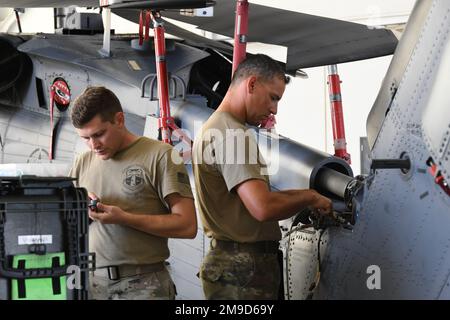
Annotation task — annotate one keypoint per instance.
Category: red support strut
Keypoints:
(166, 123)
(337, 116)
(240, 46)
(240, 33)
(141, 27)
(165, 120)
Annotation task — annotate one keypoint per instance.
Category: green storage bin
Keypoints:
(41, 288)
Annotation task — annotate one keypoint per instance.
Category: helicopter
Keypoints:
(377, 246)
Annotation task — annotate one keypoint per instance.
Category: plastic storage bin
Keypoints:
(44, 228)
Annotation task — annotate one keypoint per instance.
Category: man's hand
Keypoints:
(93, 200)
(107, 214)
(322, 205)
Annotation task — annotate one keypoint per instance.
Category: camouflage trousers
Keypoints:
(148, 286)
(239, 275)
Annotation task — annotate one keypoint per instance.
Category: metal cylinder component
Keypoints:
(296, 166)
(391, 164)
(329, 180)
(299, 165)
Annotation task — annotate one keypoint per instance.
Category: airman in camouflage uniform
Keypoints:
(237, 207)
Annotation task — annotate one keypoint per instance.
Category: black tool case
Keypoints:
(44, 248)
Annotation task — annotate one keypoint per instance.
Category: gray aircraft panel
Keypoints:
(188, 37)
(403, 221)
(83, 51)
(436, 117)
(78, 78)
(396, 69)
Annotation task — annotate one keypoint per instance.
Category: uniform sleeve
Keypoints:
(172, 175)
(238, 159)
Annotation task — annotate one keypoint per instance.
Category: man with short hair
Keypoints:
(237, 207)
(144, 198)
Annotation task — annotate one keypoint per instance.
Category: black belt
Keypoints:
(121, 271)
(252, 247)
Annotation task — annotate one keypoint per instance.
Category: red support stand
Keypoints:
(240, 33)
(337, 116)
(240, 46)
(165, 119)
(166, 123)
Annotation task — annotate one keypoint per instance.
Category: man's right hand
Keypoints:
(321, 204)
